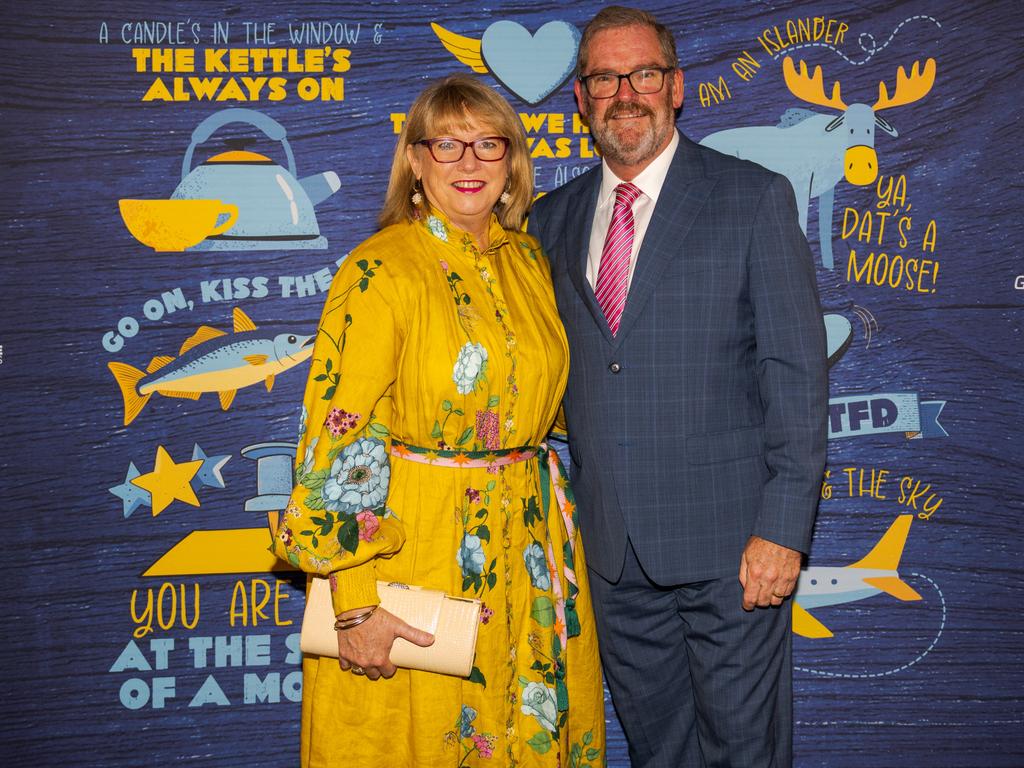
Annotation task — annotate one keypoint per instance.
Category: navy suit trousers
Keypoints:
(696, 680)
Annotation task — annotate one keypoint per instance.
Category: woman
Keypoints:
(437, 373)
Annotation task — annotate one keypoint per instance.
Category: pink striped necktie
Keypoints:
(613, 272)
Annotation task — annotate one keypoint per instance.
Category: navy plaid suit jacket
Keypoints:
(704, 420)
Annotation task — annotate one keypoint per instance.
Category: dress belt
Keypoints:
(468, 459)
(565, 604)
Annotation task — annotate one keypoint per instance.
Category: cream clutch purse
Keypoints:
(453, 621)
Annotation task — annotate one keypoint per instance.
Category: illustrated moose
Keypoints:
(810, 150)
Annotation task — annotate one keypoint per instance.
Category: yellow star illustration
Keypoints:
(169, 481)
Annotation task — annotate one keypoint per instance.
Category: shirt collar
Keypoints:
(650, 180)
(442, 228)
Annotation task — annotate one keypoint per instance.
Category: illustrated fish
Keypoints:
(212, 360)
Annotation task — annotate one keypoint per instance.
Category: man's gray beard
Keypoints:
(649, 145)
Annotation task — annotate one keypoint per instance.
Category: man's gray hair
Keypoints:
(617, 16)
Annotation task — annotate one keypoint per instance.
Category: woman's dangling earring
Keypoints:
(505, 197)
(417, 196)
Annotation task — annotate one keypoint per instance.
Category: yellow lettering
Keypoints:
(277, 91)
(205, 87)
(853, 274)
(531, 122)
(158, 92)
(214, 60)
(144, 621)
(254, 85)
(541, 148)
(341, 62)
(850, 228)
(257, 608)
(238, 60)
(195, 614)
(930, 236)
(280, 597)
(332, 89)
(308, 88)
(239, 605)
(166, 622)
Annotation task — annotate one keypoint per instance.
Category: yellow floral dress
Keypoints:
(437, 373)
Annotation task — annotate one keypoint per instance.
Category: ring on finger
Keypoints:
(358, 671)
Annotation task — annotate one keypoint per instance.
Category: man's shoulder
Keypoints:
(559, 199)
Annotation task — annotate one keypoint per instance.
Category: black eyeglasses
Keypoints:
(604, 85)
(448, 150)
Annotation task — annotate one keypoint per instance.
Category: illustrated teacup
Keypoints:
(174, 225)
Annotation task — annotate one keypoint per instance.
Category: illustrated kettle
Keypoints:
(275, 208)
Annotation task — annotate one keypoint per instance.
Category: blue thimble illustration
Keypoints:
(273, 475)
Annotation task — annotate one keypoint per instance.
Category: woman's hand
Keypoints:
(367, 647)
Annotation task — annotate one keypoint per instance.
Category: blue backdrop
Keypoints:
(142, 625)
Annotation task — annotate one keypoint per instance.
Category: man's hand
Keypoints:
(768, 573)
(366, 648)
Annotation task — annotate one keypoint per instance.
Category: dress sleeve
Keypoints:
(337, 520)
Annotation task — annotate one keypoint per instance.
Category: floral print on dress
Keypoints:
(466, 312)
(471, 557)
(487, 430)
(437, 228)
(470, 368)
(500, 315)
(539, 702)
(359, 477)
(376, 375)
(471, 741)
(477, 573)
(484, 744)
(583, 754)
(368, 523)
(308, 460)
(339, 421)
(537, 566)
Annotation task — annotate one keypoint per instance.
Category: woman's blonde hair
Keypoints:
(451, 103)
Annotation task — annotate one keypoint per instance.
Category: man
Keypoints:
(696, 409)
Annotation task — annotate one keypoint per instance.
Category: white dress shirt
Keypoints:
(650, 182)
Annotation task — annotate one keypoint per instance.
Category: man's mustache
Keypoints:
(620, 108)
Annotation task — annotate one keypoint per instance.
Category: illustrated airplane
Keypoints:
(876, 572)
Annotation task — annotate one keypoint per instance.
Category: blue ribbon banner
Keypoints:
(867, 414)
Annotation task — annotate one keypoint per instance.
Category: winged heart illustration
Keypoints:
(532, 66)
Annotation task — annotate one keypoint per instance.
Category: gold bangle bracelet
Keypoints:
(353, 621)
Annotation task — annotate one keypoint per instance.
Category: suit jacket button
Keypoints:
(614, 367)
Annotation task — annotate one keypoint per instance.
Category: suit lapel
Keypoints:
(577, 239)
(684, 193)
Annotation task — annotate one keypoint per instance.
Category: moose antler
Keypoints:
(908, 89)
(810, 89)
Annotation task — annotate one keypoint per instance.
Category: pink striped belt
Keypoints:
(554, 480)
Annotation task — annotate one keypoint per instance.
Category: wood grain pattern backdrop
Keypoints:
(77, 137)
